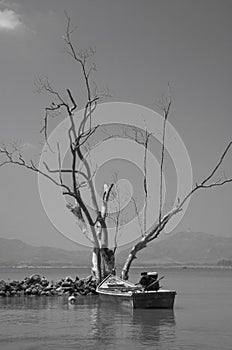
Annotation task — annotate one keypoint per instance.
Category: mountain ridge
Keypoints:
(16, 252)
(191, 248)
(179, 248)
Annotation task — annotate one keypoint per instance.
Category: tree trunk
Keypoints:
(104, 259)
(107, 262)
(126, 267)
(153, 234)
(96, 264)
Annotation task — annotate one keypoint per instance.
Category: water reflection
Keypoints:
(123, 325)
(87, 323)
(31, 302)
(46, 302)
(153, 326)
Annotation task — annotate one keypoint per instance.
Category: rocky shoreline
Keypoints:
(36, 285)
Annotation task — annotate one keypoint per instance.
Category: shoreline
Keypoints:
(145, 266)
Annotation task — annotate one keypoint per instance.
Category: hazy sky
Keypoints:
(141, 47)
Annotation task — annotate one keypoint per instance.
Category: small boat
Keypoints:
(114, 289)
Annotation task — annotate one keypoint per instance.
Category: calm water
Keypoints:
(201, 319)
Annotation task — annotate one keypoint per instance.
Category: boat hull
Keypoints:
(154, 300)
(162, 299)
(115, 290)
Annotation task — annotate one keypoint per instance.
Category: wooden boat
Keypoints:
(114, 289)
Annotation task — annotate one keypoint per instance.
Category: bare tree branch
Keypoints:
(147, 135)
(75, 209)
(78, 55)
(217, 165)
(137, 214)
(166, 108)
(17, 159)
(78, 172)
(158, 228)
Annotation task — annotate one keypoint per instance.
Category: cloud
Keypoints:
(9, 20)
(9, 5)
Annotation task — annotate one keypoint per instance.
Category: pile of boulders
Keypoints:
(39, 286)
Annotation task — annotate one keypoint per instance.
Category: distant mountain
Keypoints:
(180, 248)
(16, 252)
(185, 248)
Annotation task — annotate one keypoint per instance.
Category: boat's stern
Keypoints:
(161, 299)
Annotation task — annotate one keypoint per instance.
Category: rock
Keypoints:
(26, 280)
(79, 283)
(53, 292)
(48, 288)
(44, 282)
(28, 291)
(8, 287)
(68, 279)
(88, 279)
(24, 286)
(87, 290)
(14, 283)
(66, 284)
(93, 291)
(35, 285)
(34, 291)
(19, 292)
(59, 283)
(35, 279)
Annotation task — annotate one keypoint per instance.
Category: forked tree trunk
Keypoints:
(96, 264)
(147, 238)
(103, 263)
(103, 258)
(107, 262)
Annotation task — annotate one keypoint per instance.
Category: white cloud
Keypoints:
(9, 20)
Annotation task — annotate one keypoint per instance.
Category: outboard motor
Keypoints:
(149, 281)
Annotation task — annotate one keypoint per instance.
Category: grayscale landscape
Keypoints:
(116, 174)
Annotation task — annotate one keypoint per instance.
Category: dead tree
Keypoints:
(93, 224)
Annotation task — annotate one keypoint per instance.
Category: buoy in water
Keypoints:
(72, 299)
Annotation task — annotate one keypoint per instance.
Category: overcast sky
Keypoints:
(141, 47)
